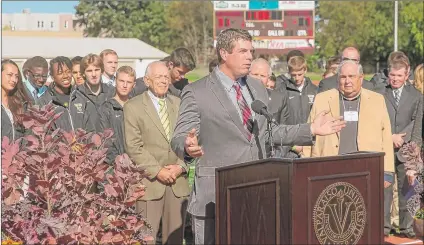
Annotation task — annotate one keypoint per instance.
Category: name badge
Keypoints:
(351, 116)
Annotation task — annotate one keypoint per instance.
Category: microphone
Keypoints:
(260, 108)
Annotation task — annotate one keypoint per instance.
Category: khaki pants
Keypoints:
(171, 210)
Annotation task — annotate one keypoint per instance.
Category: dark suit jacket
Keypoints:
(278, 106)
(206, 107)
(174, 89)
(331, 82)
(279, 109)
(402, 117)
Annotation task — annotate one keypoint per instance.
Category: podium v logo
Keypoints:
(340, 214)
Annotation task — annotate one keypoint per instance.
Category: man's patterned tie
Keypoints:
(397, 96)
(245, 110)
(163, 115)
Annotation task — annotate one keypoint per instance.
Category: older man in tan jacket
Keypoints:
(149, 121)
(367, 123)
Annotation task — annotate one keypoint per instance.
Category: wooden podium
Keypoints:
(328, 200)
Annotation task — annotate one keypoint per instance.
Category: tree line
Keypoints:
(167, 25)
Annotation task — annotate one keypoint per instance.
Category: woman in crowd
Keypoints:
(418, 133)
(14, 100)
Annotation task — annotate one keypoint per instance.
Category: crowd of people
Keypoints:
(165, 124)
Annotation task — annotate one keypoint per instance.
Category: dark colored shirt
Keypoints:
(349, 134)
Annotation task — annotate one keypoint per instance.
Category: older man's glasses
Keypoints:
(345, 58)
(38, 76)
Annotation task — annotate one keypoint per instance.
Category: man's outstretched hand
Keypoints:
(191, 145)
(325, 124)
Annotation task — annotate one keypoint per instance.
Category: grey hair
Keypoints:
(227, 38)
(151, 64)
(261, 60)
(339, 68)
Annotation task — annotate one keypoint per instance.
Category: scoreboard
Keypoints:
(276, 26)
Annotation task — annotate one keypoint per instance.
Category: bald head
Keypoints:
(154, 65)
(157, 78)
(261, 70)
(351, 53)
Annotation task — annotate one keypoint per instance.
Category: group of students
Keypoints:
(90, 91)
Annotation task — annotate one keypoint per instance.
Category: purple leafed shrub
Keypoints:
(49, 187)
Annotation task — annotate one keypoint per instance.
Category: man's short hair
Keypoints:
(213, 64)
(166, 59)
(36, 61)
(127, 70)
(76, 60)
(262, 60)
(397, 56)
(360, 69)
(273, 77)
(61, 61)
(107, 52)
(294, 53)
(91, 59)
(399, 64)
(227, 40)
(182, 57)
(335, 60)
(297, 63)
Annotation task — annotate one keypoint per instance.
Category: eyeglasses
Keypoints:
(38, 76)
(345, 58)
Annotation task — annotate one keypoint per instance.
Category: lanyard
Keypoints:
(357, 107)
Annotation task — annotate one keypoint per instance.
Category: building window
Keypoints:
(38, 24)
(51, 24)
(66, 24)
(42, 24)
(301, 21)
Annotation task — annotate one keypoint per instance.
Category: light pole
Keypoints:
(396, 26)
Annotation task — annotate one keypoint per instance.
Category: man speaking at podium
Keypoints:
(217, 125)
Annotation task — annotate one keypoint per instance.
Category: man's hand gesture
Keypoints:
(191, 145)
(325, 124)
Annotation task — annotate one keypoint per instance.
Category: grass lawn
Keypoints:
(200, 72)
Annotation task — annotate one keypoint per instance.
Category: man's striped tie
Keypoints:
(163, 115)
(245, 110)
(397, 96)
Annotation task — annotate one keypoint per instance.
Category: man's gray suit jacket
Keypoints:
(206, 106)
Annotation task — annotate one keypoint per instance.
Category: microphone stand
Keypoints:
(270, 138)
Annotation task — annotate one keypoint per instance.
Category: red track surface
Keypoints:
(397, 240)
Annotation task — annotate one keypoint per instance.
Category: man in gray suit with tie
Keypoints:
(217, 125)
(402, 101)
